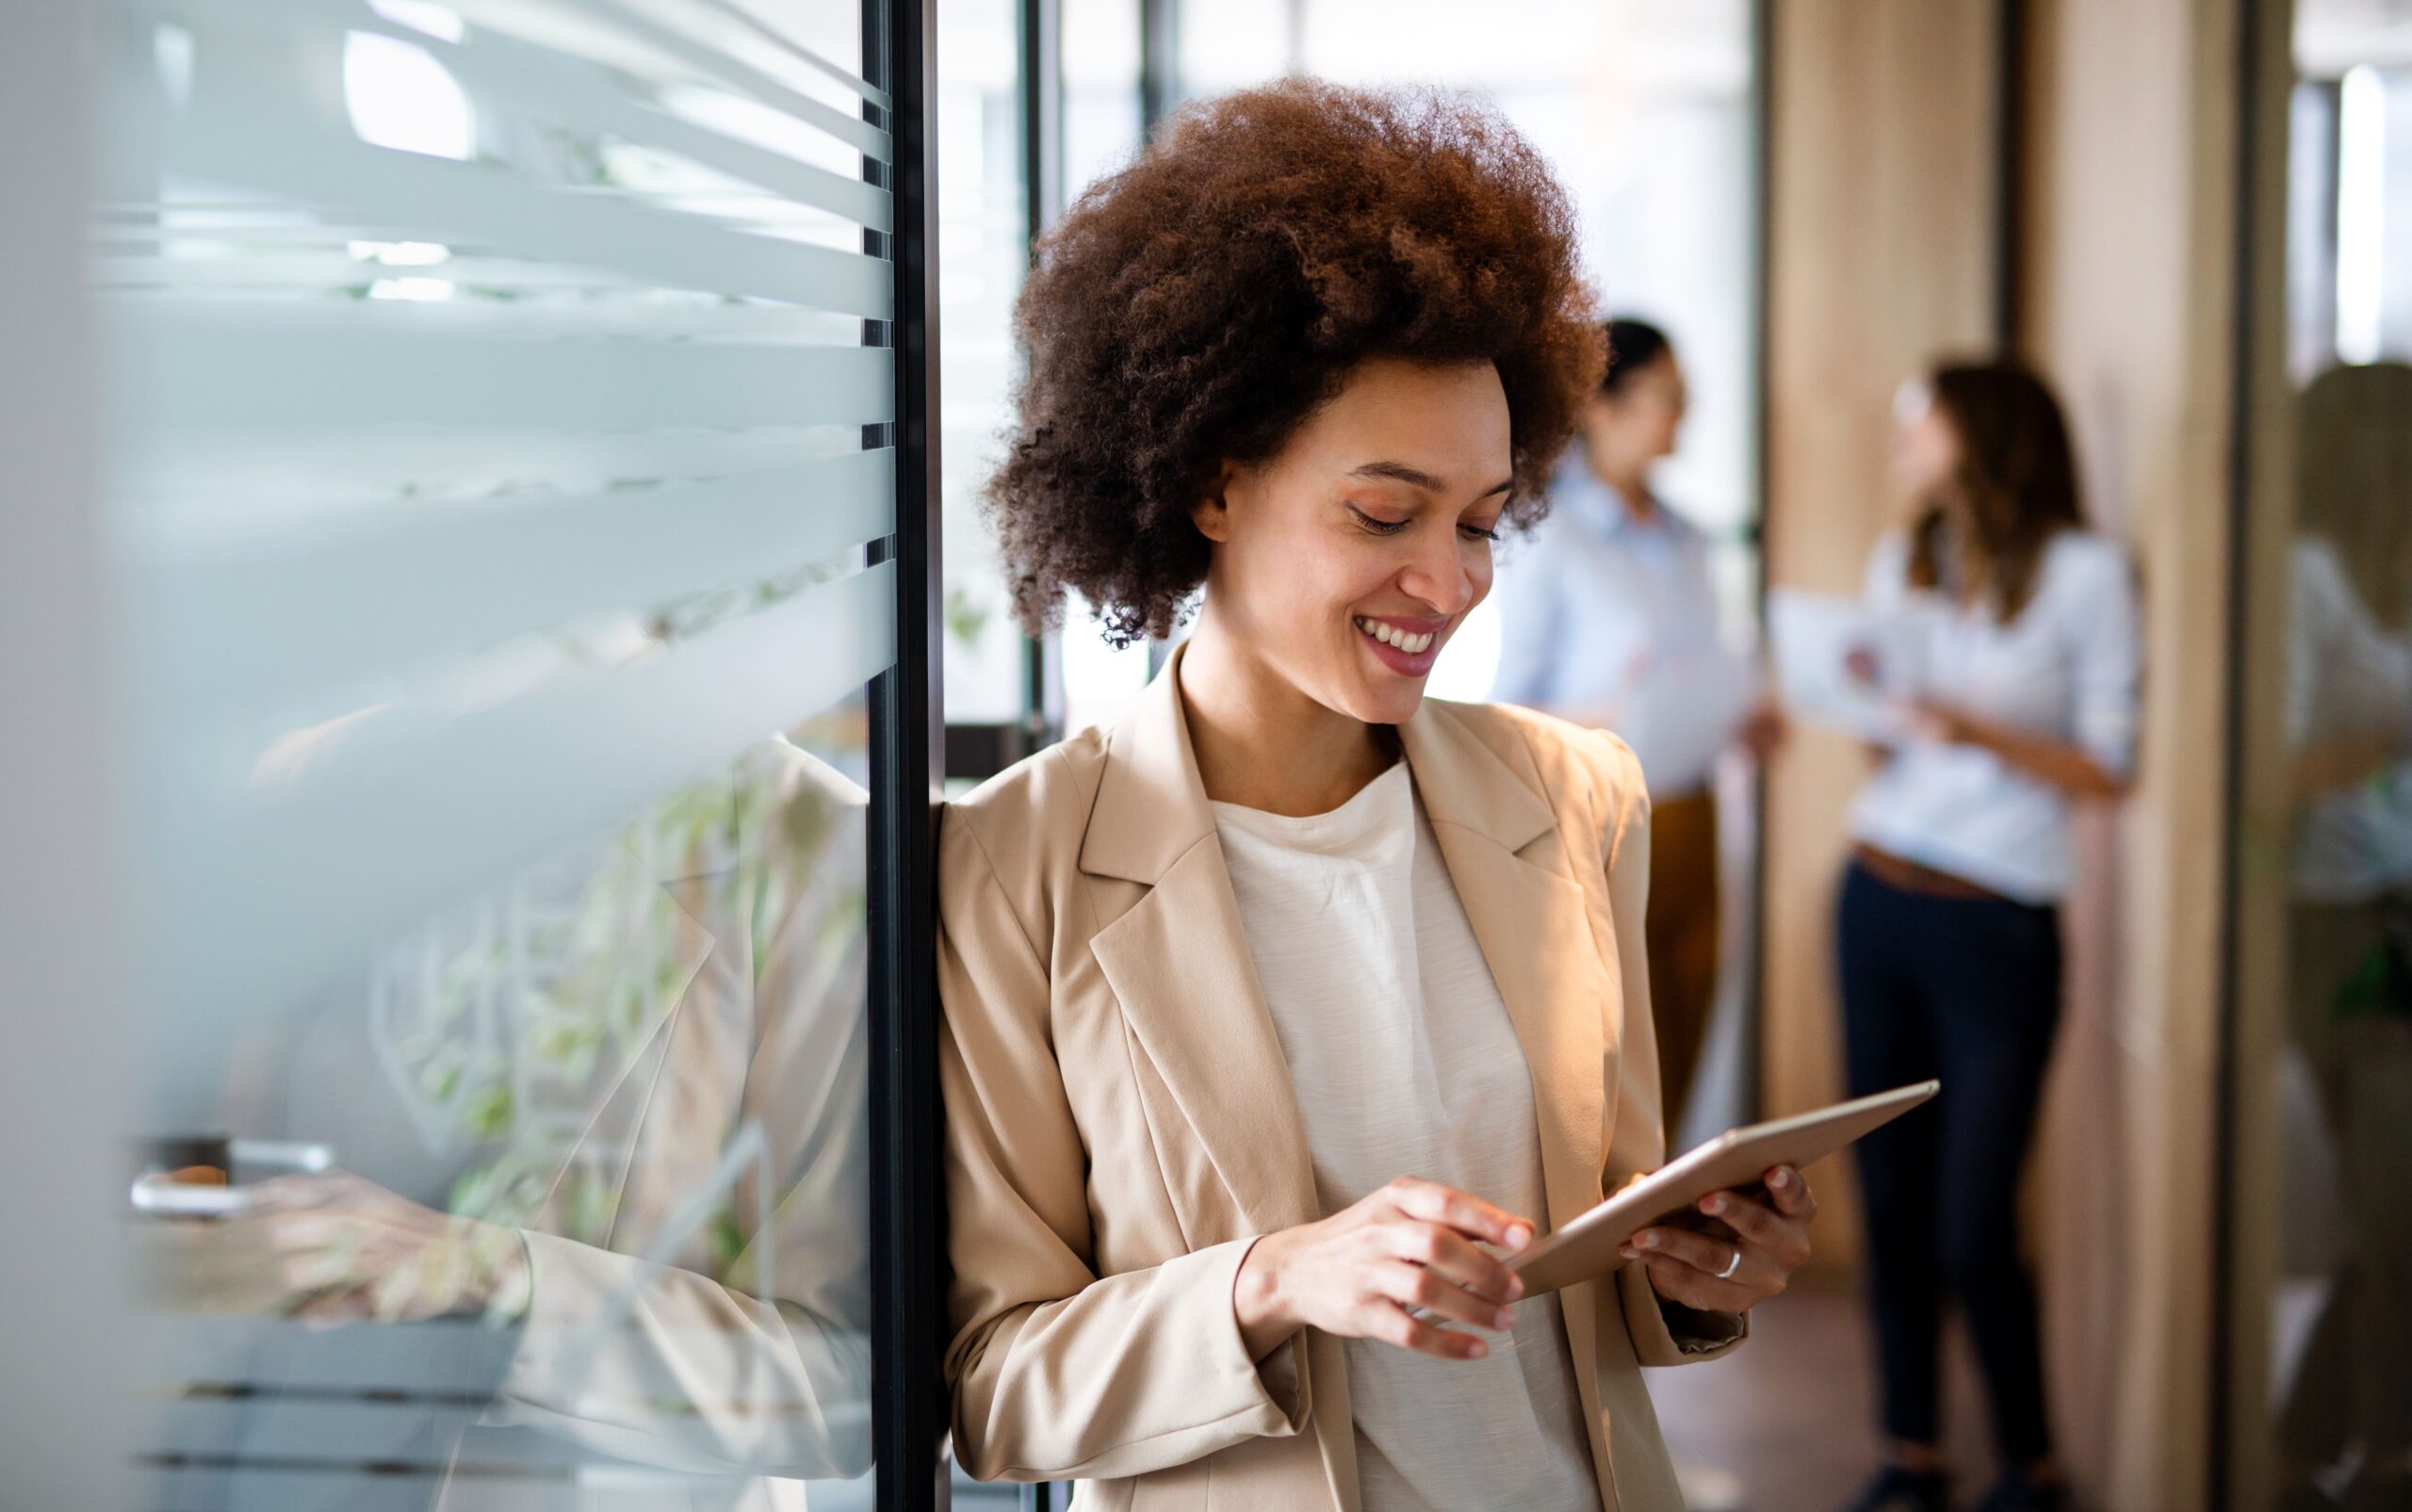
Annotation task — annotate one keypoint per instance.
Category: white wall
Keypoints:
(58, 965)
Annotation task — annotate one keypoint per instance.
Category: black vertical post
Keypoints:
(1159, 91)
(1763, 284)
(908, 753)
(2010, 172)
(1159, 63)
(2253, 121)
(1043, 196)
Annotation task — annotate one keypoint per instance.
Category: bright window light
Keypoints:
(2361, 214)
(398, 96)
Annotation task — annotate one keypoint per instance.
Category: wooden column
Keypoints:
(2129, 306)
(1881, 230)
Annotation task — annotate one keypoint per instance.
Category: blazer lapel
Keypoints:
(1178, 960)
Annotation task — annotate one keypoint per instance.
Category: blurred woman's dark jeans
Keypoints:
(1967, 990)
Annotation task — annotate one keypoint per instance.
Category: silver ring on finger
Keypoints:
(1731, 1265)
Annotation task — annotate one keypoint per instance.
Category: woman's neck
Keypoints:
(1632, 484)
(1261, 742)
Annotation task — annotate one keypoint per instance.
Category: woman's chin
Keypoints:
(1387, 699)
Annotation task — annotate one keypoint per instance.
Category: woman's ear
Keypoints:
(1212, 513)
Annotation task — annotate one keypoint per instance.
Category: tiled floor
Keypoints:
(1786, 1424)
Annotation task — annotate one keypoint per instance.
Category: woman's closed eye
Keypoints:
(1381, 527)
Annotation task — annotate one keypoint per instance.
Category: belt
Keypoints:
(1909, 876)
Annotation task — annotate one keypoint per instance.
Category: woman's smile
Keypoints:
(1406, 644)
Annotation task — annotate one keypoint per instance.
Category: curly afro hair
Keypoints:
(1196, 307)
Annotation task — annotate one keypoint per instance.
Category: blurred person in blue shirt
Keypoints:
(1608, 618)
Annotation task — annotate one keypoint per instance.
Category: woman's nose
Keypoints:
(1439, 576)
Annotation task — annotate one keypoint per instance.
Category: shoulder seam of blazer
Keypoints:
(988, 869)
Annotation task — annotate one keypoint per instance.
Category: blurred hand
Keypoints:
(337, 1248)
(1761, 731)
(1699, 1267)
(1412, 1245)
(1941, 722)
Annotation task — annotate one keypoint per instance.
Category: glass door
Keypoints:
(516, 429)
(2315, 1409)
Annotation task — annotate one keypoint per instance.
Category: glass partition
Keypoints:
(2318, 1398)
(502, 490)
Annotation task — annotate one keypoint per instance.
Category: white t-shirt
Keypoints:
(1406, 1064)
(2066, 667)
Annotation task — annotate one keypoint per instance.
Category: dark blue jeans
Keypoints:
(1967, 990)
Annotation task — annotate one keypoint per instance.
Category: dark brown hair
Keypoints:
(2016, 487)
(1633, 345)
(1194, 308)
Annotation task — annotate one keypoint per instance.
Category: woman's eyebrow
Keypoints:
(1417, 478)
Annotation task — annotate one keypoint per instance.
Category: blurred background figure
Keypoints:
(2346, 1404)
(1609, 618)
(1949, 941)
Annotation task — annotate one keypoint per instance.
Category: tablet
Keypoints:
(1736, 1159)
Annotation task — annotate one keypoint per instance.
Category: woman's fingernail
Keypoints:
(1519, 1235)
(1629, 1252)
(1646, 1240)
(1779, 1179)
(1515, 1287)
(1717, 1203)
(1502, 1319)
(1478, 1350)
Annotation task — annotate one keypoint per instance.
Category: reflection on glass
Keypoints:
(611, 1172)
(488, 421)
(2322, 1238)
(2343, 1308)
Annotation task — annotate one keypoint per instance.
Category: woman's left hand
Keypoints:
(1746, 1255)
(343, 1249)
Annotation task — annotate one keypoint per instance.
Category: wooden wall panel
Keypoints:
(1882, 229)
(2128, 294)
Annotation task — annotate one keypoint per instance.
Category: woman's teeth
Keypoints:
(1392, 636)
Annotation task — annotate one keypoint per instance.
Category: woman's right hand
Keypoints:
(1411, 1244)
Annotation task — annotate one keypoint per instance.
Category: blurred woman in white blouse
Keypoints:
(1949, 941)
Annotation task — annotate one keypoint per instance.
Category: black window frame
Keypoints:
(909, 1277)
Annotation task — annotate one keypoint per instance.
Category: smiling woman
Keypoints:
(1191, 311)
(1279, 1013)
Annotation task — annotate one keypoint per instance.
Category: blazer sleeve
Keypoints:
(766, 1364)
(1664, 1333)
(1059, 1372)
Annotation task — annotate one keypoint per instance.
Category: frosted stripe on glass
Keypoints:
(194, 363)
(582, 97)
(265, 893)
(434, 200)
(771, 34)
(717, 65)
(401, 586)
(634, 43)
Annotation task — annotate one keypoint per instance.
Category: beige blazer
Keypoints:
(1121, 1124)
